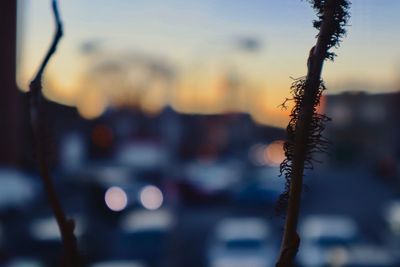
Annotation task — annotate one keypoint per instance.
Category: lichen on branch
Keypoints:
(316, 141)
(304, 131)
(340, 18)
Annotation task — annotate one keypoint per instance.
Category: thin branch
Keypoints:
(40, 135)
(36, 83)
(304, 132)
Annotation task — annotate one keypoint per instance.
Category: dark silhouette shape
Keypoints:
(306, 125)
(40, 137)
(11, 100)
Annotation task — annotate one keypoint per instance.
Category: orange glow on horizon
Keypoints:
(91, 104)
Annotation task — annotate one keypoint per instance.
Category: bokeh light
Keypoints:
(102, 136)
(151, 197)
(116, 199)
(91, 104)
(274, 153)
(256, 154)
(267, 155)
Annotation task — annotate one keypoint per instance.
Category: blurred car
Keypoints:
(365, 255)
(118, 188)
(208, 180)
(144, 235)
(45, 237)
(241, 242)
(24, 262)
(326, 240)
(391, 217)
(117, 263)
(17, 190)
(142, 155)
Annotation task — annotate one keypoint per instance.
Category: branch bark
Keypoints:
(37, 106)
(303, 129)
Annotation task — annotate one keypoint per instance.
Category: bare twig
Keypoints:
(39, 128)
(306, 125)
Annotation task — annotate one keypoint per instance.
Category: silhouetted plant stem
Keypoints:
(40, 136)
(306, 125)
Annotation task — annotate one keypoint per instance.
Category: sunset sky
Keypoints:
(203, 56)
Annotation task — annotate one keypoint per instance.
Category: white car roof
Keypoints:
(47, 228)
(392, 216)
(118, 264)
(242, 228)
(142, 154)
(366, 255)
(144, 220)
(108, 174)
(211, 172)
(22, 262)
(328, 225)
(16, 189)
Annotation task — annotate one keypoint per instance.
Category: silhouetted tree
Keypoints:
(306, 125)
(40, 136)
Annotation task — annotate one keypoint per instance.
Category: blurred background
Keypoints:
(167, 134)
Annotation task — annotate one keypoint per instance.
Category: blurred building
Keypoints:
(365, 128)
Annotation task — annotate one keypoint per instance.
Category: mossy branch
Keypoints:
(40, 136)
(304, 131)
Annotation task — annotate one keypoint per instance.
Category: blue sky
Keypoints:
(202, 39)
